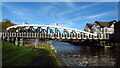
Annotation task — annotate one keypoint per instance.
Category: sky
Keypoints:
(66, 14)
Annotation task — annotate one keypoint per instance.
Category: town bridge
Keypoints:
(18, 33)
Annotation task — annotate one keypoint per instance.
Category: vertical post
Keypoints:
(21, 41)
(12, 40)
(36, 42)
(8, 39)
(76, 35)
(3, 38)
(82, 35)
(108, 36)
(16, 41)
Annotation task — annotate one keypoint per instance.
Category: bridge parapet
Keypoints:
(55, 35)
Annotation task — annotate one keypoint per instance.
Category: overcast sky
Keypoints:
(67, 14)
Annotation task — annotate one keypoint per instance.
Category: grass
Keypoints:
(17, 55)
(13, 55)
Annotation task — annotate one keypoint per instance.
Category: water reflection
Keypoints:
(86, 55)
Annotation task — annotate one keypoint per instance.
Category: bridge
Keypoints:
(18, 33)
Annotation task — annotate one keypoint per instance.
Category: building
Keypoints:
(101, 27)
(88, 27)
(117, 31)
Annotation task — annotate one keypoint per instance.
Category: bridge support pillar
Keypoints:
(16, 41)
(3, 38)
(21, 41)
(12, 40)
(36, 41)
(8, 39)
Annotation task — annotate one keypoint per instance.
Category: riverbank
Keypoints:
(41, 55)
(94, 43)
(116, 45)
(47, 57)
(86, 56)
(84, 43)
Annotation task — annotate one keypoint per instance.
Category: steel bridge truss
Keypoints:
(47, 31)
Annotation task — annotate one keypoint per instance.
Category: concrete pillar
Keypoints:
(12, 40)
(3, 38)
(108, 36)
(80, 35)
(8, 39)
(21, 41)
(16, 41)
(36, 42)
(35, 35)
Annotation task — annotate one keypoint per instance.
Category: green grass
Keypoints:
(13, 55)
(17, 55)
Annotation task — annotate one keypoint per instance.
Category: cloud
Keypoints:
(77, 9)
(99, 15)
(19, 14)
(67, 24)
(12, 9)
(109, 13)
(67, 14)
(46, 9)
(70, 22)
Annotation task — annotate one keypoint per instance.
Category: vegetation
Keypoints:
(5, 23)
(50, 54)
(25, 56)
(17, 55)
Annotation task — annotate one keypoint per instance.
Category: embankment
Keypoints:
(42, 55)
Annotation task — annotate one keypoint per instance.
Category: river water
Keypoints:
(73, 55)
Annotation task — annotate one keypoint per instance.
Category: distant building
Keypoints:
(117, 31)
(101, 27)
(88, 27)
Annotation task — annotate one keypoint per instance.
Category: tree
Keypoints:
(5, 24)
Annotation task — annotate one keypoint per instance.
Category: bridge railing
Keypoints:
(105, 36)
(57, 35)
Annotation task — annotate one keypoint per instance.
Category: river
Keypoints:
(73, 55)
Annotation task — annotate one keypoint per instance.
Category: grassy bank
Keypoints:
(23, 56)
(17, 55)
(49, 54)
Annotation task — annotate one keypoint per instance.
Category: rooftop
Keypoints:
(89, 25)
(105, 24)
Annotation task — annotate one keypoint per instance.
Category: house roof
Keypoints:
(89, 25)
(105, 24)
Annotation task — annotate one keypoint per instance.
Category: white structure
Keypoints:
(101, 27)
(52, 27)
(88, 27)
